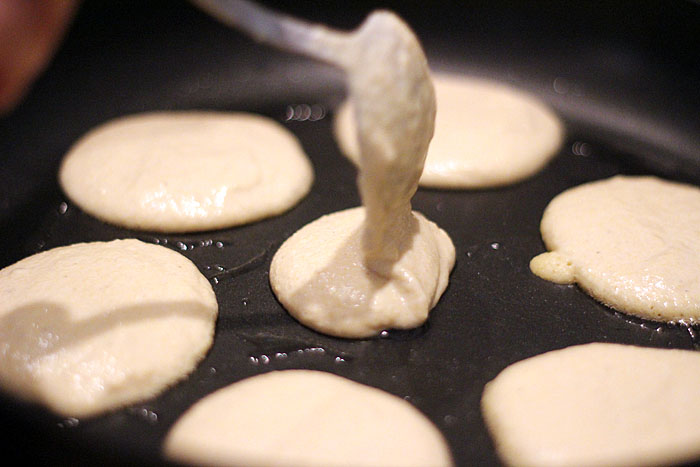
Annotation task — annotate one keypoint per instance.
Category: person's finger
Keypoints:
(30, 31)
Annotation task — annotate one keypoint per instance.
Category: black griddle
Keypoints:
(623, 75)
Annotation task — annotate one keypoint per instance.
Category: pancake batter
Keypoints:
(92, 327)
(186, 171)
(630, 242)
(309, 418)
(597, 405)
(357, 272)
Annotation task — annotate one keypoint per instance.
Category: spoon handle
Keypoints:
(279, 30)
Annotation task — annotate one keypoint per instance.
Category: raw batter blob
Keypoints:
(94, 326)
(631, 242)
(357, 272)
(186, 171)
(320, 276)
(486, 134)
(305, 418)
(597, 405)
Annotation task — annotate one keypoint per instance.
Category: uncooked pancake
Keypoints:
(186, 171)
(632, 243)
(320, 277)
(486, 134)
(357, 272)
(305, 418)
(94, 326)
(597, 405)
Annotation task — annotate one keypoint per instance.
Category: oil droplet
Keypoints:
(146, 414)
(299, 353)
(183, 245)
(579, 148)
(560, 85)
(564, 86)
(69, 422)
(305, 112)
(688, 325)
(234, 271)
(450, 419)
(405, 334)
(150, 416)
(266, 359)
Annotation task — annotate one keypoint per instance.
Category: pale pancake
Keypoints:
(597, 405)
(487, 134)
(633, 243)
(305, 418)
(95, 326)
(186, 171)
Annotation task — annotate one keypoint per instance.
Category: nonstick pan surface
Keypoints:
(624, 77)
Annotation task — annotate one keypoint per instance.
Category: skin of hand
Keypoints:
(30, 31)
